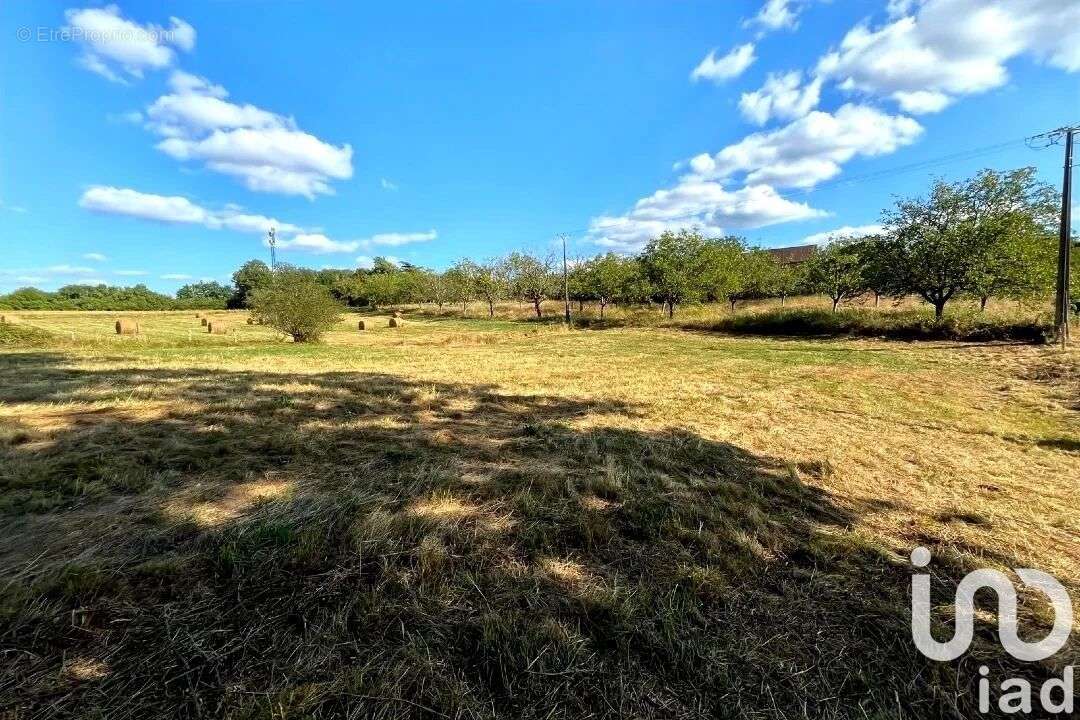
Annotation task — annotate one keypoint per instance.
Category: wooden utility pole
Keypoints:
(565, 280)
(1061, 304)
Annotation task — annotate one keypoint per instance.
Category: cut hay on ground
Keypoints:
(395, 322)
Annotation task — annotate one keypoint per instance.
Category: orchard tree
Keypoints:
(607, 277)
(787, 279)
(754, 277)
(491, 282)
(297, 304)
(460, 282)
(837, 271)
(531, 278)
(676, 264)
(957, 239)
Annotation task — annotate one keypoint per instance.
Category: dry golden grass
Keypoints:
(472, 518)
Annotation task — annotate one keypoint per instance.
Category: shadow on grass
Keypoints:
(206, 543)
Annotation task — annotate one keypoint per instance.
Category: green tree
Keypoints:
(297, 304)
(251, 276)
(606, 278)
(677, 265)
(531, 279)
(204, 291)
(958, 238)
(461, 282)
(491, 282)
(837, 271)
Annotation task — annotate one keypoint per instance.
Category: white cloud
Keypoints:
(695, 202)
(388, 184)
(782, 96)
(365, 261)
(847, 231)
(96, 257)
(810, 149)
(69, 270)
(175, 276)
(130, 273)
(776, 15)
(394, 239)
(265, 150)
(729, 66)
(114, 46)
(176, 209)
(124, 201)
(950, 48)
(12, 208)
(318, 243)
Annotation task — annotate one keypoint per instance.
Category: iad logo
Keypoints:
(1018, 698)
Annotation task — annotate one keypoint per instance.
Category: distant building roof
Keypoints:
(795, 254)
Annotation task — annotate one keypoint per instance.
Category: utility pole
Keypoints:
(272, 241)
(1061, 309)
(565, 280)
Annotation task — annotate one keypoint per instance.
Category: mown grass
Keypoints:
(470, 519)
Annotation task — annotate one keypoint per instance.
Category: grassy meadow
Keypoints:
(473, 518)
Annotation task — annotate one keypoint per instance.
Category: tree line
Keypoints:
(992, 235)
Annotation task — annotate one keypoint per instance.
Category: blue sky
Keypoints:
(153, 142)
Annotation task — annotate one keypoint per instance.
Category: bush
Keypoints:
(895, 324)
(296, 304)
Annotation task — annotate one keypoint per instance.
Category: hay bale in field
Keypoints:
(395, 322)
(251, 321)
(204, 322)
(361, 325)
(127, 326)
(198, 315)
(216, 327)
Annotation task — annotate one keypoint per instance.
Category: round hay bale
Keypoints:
(204, 322)
(216, 327)
(251, 321)
(361, 325)
(198, 315)
(127, 326)
(395, 322)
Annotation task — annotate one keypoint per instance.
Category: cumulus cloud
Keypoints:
(951, 48)
(176, 209)
(388, 184)
(695, 202)
(782, 96)
(727, 67)
(394, 239)
(810, 149)
(118, 49)
(175, 276)
(266, 151)
(130, 273)
(776, 15)
(95, 256)
(318, 243)
(845, 232)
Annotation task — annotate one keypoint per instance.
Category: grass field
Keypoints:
(467, 518)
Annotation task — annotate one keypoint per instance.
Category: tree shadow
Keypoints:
(204, 543)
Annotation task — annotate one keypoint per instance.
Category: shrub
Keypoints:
(296, 304)
(896, 324)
